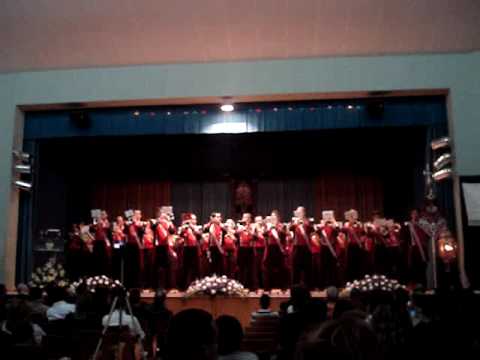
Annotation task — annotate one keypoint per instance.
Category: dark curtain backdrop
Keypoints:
(285, 195)
(341, 191)
(202, 198)
(116, 197)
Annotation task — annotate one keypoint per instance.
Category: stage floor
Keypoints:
(240, 307)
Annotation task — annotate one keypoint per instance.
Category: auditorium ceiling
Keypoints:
(53, 34)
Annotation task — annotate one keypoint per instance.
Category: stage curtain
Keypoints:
(284, 195)
(202, 198)
(341, 191)
(118, 197)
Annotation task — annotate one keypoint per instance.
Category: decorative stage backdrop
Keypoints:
(322, 155)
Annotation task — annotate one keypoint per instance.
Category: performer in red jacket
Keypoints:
(302, 255)
(133, 251)
(356, 253)
(230, 248)
(216, 251)
(190, 232)
(119, 239)
(166, 256)
(260, 244)
(246, 254)
(101, 245)
(274, 263)
(149, 268)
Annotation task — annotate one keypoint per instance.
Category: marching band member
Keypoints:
(356, 253)
(77, 255)
(166, 256)
(119, 237)
(260, 244)
(274, 263)
(302, 255)
(230, 248)
(315, 241)
(190, 232)
(246, 251)
(216, 252)
(149, 271)
(329, 262)
(101, 245)
(417, 251)
(133, 260)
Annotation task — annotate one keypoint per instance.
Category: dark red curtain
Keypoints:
(341, 191)
(144, 195)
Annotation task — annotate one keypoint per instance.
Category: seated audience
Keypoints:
(230, 336)
(191, 335)
(342, 339)
(264, 311)
(17, 329)
(36, 303)
(332, 297)
(159, 319)
(60, 307)
(120, 317)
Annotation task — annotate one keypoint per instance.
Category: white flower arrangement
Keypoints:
(216, 285)
(50, 273)
(96, 282)
(374, 282)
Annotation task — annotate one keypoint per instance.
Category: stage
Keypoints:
(240, 307)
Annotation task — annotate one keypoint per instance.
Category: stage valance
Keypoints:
(247, 118)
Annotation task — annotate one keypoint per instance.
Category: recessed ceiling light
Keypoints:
(227, 107)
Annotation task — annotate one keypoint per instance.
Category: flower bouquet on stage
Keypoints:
(51, 273)
(98, 282)
(216, 285)
(374, 283)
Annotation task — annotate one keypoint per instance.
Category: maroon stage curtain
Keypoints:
(143, 195)
(342, 191)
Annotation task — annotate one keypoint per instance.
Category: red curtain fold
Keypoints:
(118, 197)
(343, 191)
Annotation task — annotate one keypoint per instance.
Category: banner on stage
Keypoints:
(471, 193)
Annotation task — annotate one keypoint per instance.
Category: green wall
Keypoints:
(458, 72)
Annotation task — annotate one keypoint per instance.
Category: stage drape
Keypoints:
(118, 197)
(342, 191)
(202, 198)
(284, 195)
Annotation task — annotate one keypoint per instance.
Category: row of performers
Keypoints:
(259, 252)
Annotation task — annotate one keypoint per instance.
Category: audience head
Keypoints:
(230, 334)
(332, 293)
(3, 291)
(299, 296)
(36, 293)
(347, 338)
(342, 306)
(134, 296)
(264, 301)
(316, 311)
(160, 297)
(191, 335)
(22, 289)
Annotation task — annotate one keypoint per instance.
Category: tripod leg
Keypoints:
(105, 328)
(136, 325)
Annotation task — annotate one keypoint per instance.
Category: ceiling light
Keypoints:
(227, 107)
